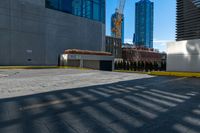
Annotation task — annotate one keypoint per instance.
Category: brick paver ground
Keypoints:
(77, 101)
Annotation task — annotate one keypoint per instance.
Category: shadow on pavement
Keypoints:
(151, 105)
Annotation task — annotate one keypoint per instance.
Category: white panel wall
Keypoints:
(183, 56)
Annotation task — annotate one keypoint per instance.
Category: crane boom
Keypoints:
(120, 9)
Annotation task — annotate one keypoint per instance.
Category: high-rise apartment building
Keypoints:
(144, 24)
(188, 20)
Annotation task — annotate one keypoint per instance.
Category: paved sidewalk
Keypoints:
(76, 101)
(25, 82)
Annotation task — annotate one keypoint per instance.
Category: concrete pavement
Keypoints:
(25, 82)
(77, 101)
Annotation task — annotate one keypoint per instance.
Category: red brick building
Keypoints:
(141, 54)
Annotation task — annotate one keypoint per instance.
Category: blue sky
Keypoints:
(164, 20)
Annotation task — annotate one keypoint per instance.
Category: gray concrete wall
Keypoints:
(74, 63)
(183, 56)
(28, 30)
(91, 64)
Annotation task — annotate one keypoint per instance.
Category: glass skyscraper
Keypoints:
(188, 20)
(91, 9)
(144, 24)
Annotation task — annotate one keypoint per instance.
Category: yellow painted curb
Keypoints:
(177, 74)
(129, 71)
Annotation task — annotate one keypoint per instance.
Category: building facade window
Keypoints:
(188, 20)
(91, 9)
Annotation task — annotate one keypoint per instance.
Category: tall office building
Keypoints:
(188, 20)
(144, 24)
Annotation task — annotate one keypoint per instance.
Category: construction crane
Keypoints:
(117, 20)
(120, 9)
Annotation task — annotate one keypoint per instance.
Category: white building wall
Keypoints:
(183, 56)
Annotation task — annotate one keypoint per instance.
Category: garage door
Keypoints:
(106, 65)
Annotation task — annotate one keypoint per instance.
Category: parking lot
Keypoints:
(87, 101)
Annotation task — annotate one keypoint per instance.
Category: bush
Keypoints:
(146, 66)
(120, 65)
(124, 65)
(116, 65)
(150, 66)
(142, 66)
(135, 66)
(163, 66)
(132, 66)
(155, 66)
(128, 65)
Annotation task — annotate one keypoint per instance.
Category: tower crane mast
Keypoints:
(118, 19)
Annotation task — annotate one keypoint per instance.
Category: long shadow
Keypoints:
(151, 105)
